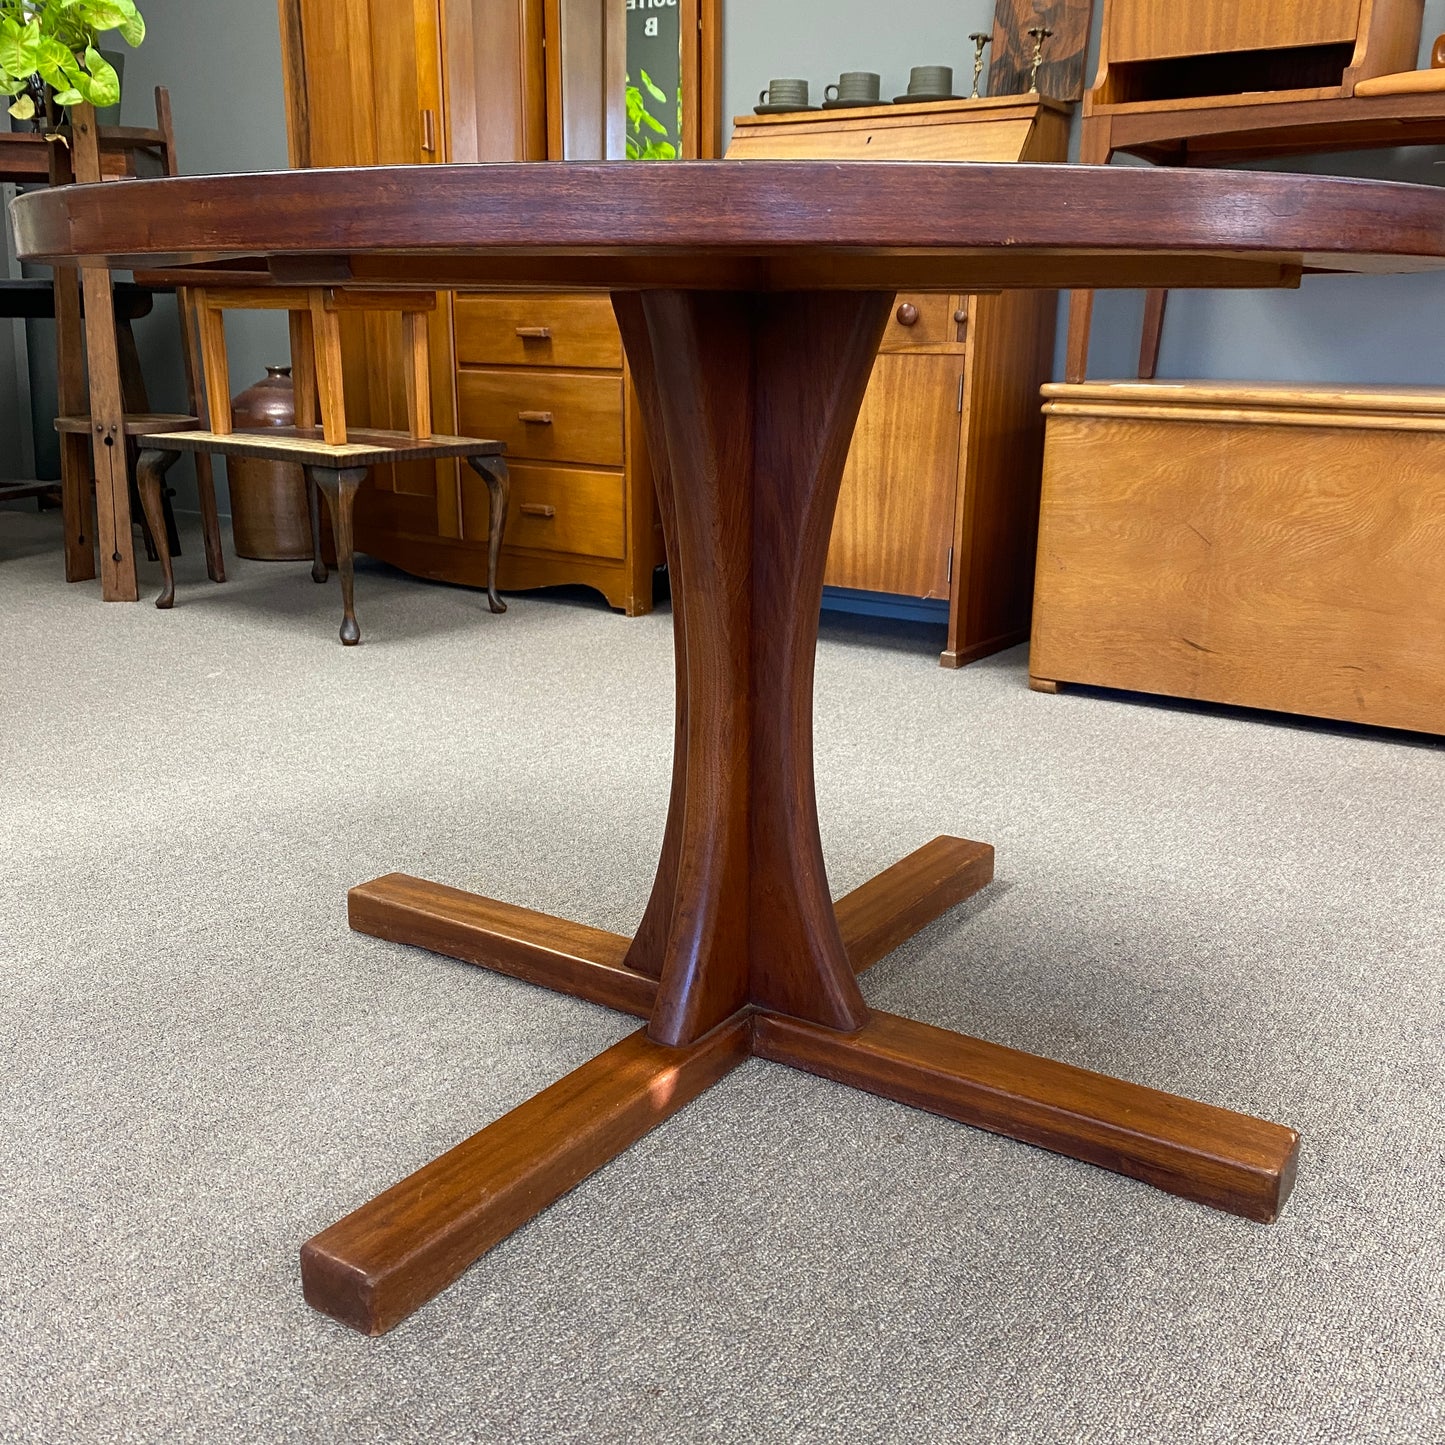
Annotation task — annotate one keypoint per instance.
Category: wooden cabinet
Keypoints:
(940, 494)
(1268, 546)
(374, 82)
(1160, 55)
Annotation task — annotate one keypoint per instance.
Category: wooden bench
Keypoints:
(335, 458)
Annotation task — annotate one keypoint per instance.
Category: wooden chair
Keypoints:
(335, 458)
(103, 409)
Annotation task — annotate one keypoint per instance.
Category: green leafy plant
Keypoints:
(49, 52)
(644, 128)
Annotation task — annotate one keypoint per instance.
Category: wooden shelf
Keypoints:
(364, 448)
(1245, 127)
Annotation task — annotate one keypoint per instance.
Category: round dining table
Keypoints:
(751, 298)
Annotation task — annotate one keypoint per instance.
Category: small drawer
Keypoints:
(920, 320)
(520, 329)
(548, 416)
(555, 509)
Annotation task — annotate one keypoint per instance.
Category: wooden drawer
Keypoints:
(551, 416)
(503, 330)
(932, 322)
(555, 509)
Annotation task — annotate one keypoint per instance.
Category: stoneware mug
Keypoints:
(855, 85)
(784, 92)
(930, 80)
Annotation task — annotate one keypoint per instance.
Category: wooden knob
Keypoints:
(908, 314)
(535, 418)
(1437, 55)
(538, 509)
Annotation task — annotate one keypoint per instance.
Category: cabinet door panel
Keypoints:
(895, 508)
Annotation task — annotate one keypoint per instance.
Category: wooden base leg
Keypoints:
(493, 471)
(77, 489)
(210, 517)
(373, 1268)
(1043, 684)
(876, 917)
(313, 503)
(554, 952)
(593, 964)
(339, 484)
(150, 474)
(1233, 1162)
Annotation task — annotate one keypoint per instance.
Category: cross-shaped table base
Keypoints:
(379, 1264)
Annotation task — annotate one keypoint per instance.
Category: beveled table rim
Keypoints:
(679, 214)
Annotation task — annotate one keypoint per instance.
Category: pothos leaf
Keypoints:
(19, 46)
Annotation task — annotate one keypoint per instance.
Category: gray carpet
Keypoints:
(200, 1066)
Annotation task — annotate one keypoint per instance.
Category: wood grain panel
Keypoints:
(502, 330)
(495, 85)
(585, 411)
(1298, 568)
(885, 137)
(1011, 60)
(556, 509)
(1149, 30)
(894, 521)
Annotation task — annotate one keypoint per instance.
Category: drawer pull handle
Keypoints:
(538, 509)
(538, 418)
(908, 314)
(535, 333)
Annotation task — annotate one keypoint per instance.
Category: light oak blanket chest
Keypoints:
(1268, 546)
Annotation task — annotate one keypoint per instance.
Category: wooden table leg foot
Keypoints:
(876, 917)
(319, 571)
(1043, 684)
(339, 485)
(386, 1259)
(493, 471)
(150, 474)
(554, 952)
(1230, 1161)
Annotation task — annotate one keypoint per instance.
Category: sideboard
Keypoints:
(941, 494)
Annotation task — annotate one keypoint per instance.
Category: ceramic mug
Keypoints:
(855, 85)
(930, 80)
(785, 92)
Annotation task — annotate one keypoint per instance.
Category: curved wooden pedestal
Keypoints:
(741, 950)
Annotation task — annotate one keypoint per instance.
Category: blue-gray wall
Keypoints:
(221, 62)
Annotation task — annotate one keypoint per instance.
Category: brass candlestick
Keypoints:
(1039, 35)
(979, 41)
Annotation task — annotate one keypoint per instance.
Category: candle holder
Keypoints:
(1038, 34)
(979, 41)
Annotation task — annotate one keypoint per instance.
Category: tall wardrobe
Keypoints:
(402, 82)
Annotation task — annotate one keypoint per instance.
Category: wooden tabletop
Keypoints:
(759, 226)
